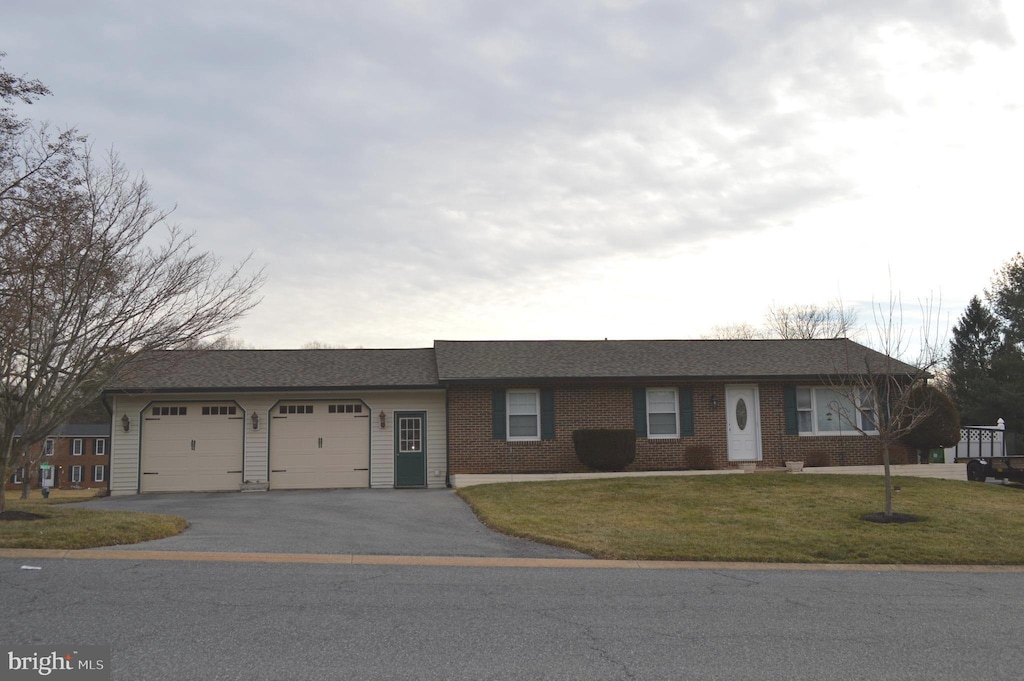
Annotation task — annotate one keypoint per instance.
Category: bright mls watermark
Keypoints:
(83, 663)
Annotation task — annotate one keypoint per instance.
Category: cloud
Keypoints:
(434, 150)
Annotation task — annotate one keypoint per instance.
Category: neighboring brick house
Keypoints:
(279, 419)
(79, 456)
(513, 405)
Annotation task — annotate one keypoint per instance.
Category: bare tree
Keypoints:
(877, 394)
(320, 345)
(32, 160)
(221, 343)
(742, 331)
(87, 286)
(803, 321)
(808, 321)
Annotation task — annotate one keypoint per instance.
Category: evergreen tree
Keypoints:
(977, 337)
(1007, 297)
(986, 360)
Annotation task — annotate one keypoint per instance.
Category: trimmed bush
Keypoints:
(938, 424)
(816, 460)
(605, 449)
(699, 458)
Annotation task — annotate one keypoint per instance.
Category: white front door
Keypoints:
(743, 417)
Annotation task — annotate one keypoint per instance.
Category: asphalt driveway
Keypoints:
(357, 521)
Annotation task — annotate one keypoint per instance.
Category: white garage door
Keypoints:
(318, 445)
(194, 447)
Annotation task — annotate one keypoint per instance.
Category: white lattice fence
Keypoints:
(979, 442)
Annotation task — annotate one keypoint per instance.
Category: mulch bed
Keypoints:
(899, 518)
(21, 515)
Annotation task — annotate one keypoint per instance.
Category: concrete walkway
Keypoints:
(947, 471)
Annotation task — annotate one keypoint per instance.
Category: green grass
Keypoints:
(774, 517)
(66, 526)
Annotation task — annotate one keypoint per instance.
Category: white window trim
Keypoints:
(17, 479)
(675, 398)
(849, 430)
(48, 447)
(508, 416)
(103, 473)
(100, 446)
(77, 447)
(71, 477)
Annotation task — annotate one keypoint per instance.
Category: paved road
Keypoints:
(171, 620)
(357, 521)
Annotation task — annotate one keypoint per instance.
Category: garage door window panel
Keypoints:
(295, 409)
(170, 411)
(219, 410)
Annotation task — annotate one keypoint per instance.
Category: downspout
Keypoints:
(447, 439)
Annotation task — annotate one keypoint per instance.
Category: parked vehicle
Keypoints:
(990, 453)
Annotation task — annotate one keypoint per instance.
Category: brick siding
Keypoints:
(472, 449)
(63, 459)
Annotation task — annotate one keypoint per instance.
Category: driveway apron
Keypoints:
(351, 521)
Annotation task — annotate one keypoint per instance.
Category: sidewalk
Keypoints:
(947, 471)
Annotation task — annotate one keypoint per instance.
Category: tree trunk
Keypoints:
(888, 480)
(26, 485)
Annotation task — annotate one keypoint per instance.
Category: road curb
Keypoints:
(478, 561)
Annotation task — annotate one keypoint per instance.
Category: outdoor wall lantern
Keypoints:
(383, 419)
(255, 421)
(714, 401)
(126, 422)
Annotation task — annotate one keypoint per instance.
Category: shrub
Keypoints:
(605, 449)
(698, 458)
(938, 424)
(816, 460)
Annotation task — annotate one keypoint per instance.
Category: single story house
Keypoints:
(195, 420)
(77, 454)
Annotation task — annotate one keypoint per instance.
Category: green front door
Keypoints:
(410, 448)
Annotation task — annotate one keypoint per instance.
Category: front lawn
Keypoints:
(66, 526)
(774, 517)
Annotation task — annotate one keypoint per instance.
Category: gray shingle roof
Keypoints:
(455, 361)
(76, 430)
(697, 359)
(180, 370)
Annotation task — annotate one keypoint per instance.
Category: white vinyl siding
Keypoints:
(523, 409)
(382, 440)
(662, 413)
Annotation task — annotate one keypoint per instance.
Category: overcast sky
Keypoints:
(411, 170)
